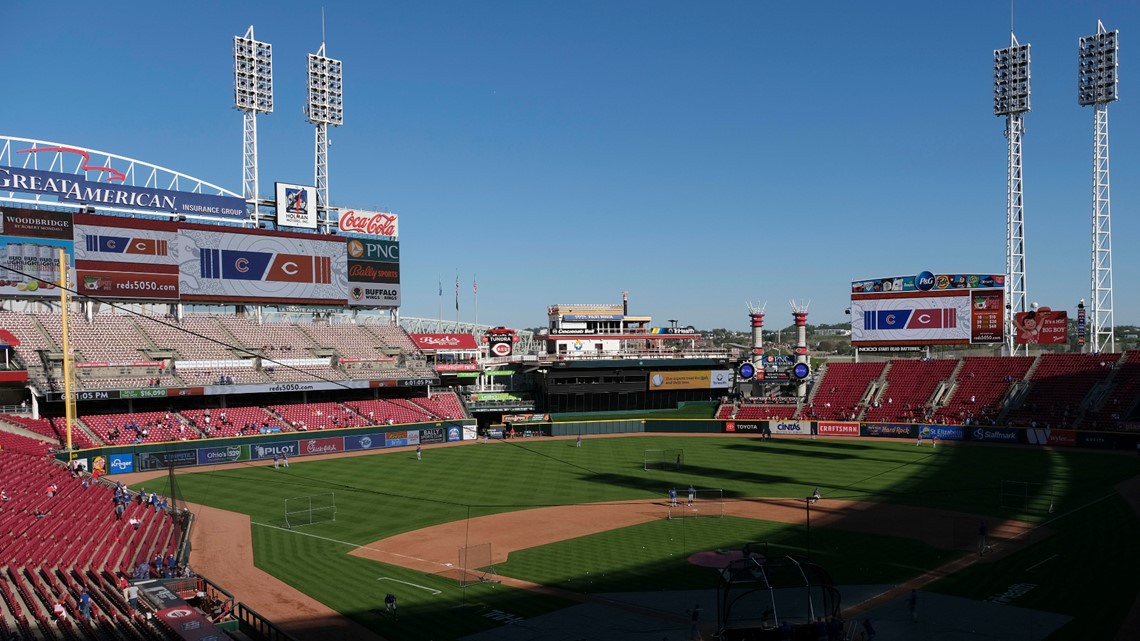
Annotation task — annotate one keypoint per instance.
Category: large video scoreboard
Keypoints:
(928, 309)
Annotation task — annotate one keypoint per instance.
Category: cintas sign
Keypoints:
(371, 223)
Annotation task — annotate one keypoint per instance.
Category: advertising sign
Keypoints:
(837, 428)
(260, 267)
(996, 435)
(122, 463)
(364, 442)
(228, 454)
(943, 432)
(927, 281)
(369, 223)
(30, 241)
(1051, 437)
(987, 313)
(296, 206)
(930, 318)
(72, 188)
(790, 427)
(445, 342)
(190, 624)
(163, 460)
(737, 426)
(261, 451)
(322, 446)
(901, 430)
(1095, 440)
(708, 379)
(1042, 326)
(126, 258)
(454, 433)
(501, 345)
(432, 435)
(395, 439)
(373, 272)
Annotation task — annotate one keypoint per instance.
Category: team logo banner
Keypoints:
(444, 342)
(928, 319)
(289, 268)
(296, 206)
(364, 441)
(1042, 326)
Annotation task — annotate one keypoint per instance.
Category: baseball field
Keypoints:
(543, 525)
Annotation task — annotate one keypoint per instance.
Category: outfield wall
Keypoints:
(124, 459)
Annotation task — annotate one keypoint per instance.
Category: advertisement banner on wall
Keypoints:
(943, 432)
(501, 345)
(315, 446)
(790, 427)
(364, 441)
(296, 206)
(163, 460)
(126, 258)
(122, 463)
(445, 342)
(1042, 326)
(269, 450)
(997, 435)
(901, 430)
(707, 379)
(395, 439)
(838, 428)
(227, 454)
(1051, 437)
(743, 427)
(373, 272)
(368, 223)
(454, 433)
(432, 435)
(30, 241)
(260, 267)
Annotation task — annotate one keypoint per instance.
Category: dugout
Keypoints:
(756, 594)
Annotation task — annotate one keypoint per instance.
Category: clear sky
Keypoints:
(696, 154)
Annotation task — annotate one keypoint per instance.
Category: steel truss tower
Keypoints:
(1011, 99)
(1097, 86)
(325, 107)
(253, 94)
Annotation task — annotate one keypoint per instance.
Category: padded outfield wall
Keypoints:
(123, 459)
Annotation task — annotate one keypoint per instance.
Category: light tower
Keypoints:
(1011, 99)
(1096, 86)
(326, 107)
(253, 94)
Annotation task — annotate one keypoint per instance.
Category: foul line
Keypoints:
(1042, 562)
(414, 585)
(352, 545)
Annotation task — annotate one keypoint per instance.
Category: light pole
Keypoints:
(1011, 99)
(253, 94)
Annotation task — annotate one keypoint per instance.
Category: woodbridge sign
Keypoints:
(73, 189)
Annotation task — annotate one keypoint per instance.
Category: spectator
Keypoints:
(85, 604)
(59, 611)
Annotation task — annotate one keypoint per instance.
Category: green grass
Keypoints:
(383, 495)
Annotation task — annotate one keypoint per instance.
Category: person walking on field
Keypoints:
(579, 443)
(390, 604)
(673, 497)
(419, 453)
(692, 494)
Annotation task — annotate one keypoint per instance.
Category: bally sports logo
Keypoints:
(228, 264)
(888, 319)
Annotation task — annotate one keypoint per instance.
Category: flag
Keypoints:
(475, 285)
(441, 286)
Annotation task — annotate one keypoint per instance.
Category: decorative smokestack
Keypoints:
(756, 314)
(625, 303)
(799, 315)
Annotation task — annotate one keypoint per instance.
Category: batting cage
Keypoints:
(757, 593)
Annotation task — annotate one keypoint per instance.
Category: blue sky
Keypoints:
(696, 154)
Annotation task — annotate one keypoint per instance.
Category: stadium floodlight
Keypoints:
(1096, 77)
(253, 94)
(1097, 86)
(326, 107)
(1011, 99)
(1011, 79)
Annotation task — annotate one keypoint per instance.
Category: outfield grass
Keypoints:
(382, 495)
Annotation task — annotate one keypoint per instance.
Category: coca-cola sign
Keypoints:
(372, 223)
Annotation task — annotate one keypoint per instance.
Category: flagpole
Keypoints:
(440, 277)
(457, 300)
(475, 288)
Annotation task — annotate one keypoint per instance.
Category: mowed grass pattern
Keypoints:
(386, 494)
